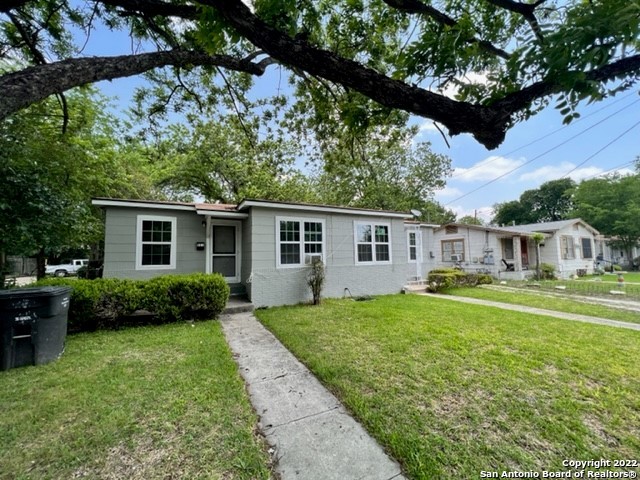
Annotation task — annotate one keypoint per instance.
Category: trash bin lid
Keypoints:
(31, 292)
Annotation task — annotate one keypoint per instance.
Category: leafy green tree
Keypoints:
(403, 54)
(612, 206)
(470, 220)
(49, 176)
(549, 203)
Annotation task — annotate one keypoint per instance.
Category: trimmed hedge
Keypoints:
(110, 303)
(444, 278)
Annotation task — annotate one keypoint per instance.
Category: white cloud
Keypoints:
(484, 213)
(554, 172)
(452, 88)
(447, 192)
(487, 169)
(427, 126)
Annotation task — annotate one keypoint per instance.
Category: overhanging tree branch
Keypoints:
(417, 7)
(487, 125)
(36, 83)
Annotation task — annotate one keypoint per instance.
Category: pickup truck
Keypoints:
(67, 268)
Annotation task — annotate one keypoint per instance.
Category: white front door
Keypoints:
(225, 249)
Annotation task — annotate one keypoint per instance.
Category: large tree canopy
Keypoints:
(505, 59)
(612, 205)
(550, 202)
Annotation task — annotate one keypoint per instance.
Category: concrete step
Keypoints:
(409, 288)
(238, 304)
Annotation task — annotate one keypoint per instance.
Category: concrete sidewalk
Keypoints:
(537, 311)
(313, 435)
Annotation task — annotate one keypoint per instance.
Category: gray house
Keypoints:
(263, 248)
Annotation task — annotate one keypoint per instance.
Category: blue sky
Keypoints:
(553, 155)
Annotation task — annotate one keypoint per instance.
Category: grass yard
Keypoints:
(548, 302)
(143, 403)
(452, 389)
(633, 277)
(583, 287)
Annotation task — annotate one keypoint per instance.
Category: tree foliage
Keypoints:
(612, 206)
(49, 176)
(504, 59)
(550, 202)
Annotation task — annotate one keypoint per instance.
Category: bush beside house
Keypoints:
(110, 303)
(445, 278)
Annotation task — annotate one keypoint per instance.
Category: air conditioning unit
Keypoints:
(456, 258)
(309, 258)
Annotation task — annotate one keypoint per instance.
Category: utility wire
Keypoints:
(610, 170)
(543, 137)
(541, 155)
(607, 145)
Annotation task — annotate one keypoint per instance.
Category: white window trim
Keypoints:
(452, 241)
(174, 233)
(409, 246)
(301, 220)
(356, 224)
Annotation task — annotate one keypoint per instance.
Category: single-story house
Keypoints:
(264, 248)
(569, 245)
(510, 252)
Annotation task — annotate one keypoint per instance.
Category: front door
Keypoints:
(524, 251)
(225, 249)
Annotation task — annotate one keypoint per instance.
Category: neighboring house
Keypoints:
(262, 247)
(570, 245)
(510, 252)
(500, 252)
(607, 255)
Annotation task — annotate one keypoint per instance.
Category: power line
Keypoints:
(610, 170)
(541, 155)
(607, 145)
(551, 133)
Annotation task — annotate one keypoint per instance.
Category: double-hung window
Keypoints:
(155, 242)
(299, 241)
(413, 247)
(452, 250)
(373, 243)
(567, 248)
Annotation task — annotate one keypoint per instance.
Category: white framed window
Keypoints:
(567, 248)
(412, 246)
(372, 243)
(156, 242)
(299, 241)
(452, 250)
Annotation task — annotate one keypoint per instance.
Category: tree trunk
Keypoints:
(538, 261)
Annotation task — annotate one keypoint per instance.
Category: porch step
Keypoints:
(237, 304)
(237, 289)
(415, 288)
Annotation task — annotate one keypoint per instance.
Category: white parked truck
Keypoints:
(67, 268)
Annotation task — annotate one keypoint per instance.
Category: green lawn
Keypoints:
(452, 389)
(590, 288)
(633, 277)
(549, 302)
(143, 403)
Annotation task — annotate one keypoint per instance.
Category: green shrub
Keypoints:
(193, 296)
(108, 303)
(617, 268)
(547, 271)
(441, 279)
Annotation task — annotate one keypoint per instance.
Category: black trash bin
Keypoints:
(33, 325)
